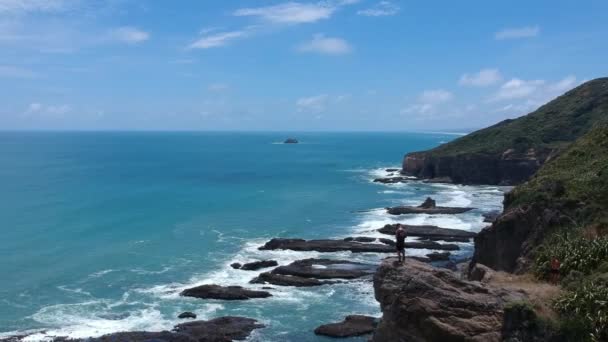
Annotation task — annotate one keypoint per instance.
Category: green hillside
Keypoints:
(555, 124)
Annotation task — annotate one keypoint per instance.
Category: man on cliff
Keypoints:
(400, 236)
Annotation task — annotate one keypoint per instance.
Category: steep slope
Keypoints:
(568, 193)
(513, 150)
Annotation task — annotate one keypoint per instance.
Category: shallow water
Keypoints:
(100, 231)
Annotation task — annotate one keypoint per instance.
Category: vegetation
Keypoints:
(585, 312)
(575, 253)
(554, 125)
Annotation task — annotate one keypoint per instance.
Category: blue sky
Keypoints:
(281, 65)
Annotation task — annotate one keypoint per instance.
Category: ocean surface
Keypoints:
(99, 232)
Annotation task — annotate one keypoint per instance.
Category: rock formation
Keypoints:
(355, 247)
(354, 325)
(223, 292)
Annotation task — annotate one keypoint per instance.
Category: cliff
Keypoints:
(569, 193)
(511, 151)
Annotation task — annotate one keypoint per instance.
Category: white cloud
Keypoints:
(483, 78)
(9, 71)
(313, 104)
(218, 39)
(435, 96)
(218, 87)
(128, 34)
(525, 96)
(383, 8)
(428, 101)
(21, 6)
(49, 111)
(289, 13)
(518, 32)
(326, 45)
(517, 88)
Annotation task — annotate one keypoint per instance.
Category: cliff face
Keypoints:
(511, 151)
(569, 192)
(506, 168)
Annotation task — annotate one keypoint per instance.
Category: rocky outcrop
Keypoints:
(427, 207)
(222, 329)
(353, 325)
(423, 303)
(355, 247)
(508, 244)
(430, 232)
(308, 272)
(393, 180)
(187, 314)
(223, 292)
(290, 141)
(256, 265)
(505, 168)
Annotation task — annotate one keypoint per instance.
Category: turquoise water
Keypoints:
(100, 231)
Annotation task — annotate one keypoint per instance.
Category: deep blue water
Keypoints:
(100, 231)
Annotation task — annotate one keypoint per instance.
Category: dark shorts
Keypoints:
(400, 247)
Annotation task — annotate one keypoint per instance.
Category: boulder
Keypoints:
(223, 292)
(235, 265)
(187, 314)
(220, 329)
(256, 265)
(423, 303)
(353, 325)
(341, 245)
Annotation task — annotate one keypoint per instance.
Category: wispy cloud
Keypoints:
(526, 95)
(483, 78)
(517, 32)
(325, 45)
(313, 104)
(428, 101)
(10, 71)
(294, 12)
(208, 41)
(48, 111)
(24, 6)
(128, 34)
(382, 8)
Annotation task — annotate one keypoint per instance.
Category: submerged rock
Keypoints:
(256, 265)
(341, 245)
(220, 329)
(353, 325)
(423, 303)
(187, 314)
(290, 141)
(223, 292)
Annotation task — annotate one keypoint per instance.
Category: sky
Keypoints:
(331, 65)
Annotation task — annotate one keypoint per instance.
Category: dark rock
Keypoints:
(521, 324)
(326, 269)
(427, 207)
(235, 265)
(187, 314)
(256, 265)
(287, 280)
(423, 303)
(428, 203)
(491, 216)
(439, 180)
(290, 141)
(393, 180)
(341, 245)
(222, 329)
(387, 241)
(223, 292)
(392, 170)
(354, 325)
(439, 256)
(430, 232)
(360, 239)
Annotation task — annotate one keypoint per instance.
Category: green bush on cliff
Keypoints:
(575, 253)
(585, 312)
(554, 125)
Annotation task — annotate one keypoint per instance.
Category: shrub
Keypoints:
(585, 311)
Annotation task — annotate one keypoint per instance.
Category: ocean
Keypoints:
(100, 231)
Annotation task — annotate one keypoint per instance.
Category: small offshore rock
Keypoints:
(353, 325)
(187, 314)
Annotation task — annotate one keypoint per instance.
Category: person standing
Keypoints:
(400, 236)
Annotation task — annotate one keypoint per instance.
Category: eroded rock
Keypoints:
(223, 292)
